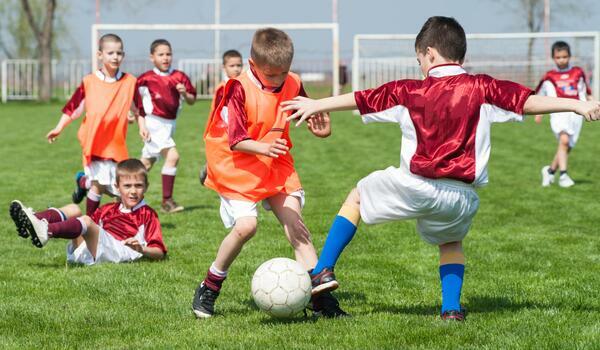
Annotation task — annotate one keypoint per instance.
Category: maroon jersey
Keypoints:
(567, 83)
(124, 223)
(157, 94)
(445, 119)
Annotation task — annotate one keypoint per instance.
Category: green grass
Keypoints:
(533, 260)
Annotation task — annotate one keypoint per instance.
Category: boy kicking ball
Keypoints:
(117, 232)
(445, 121)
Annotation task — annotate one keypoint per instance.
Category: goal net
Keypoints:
(520, 57)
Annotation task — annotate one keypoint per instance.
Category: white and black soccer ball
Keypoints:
(281, 287)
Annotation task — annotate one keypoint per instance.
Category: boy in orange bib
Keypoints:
(247, 143)
(106, 96)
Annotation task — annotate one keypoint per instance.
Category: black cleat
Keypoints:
(17, 214)
(203, 304)
(80, 192)
(203, 174)
(454, 315)
(323, 282)
(326, 305)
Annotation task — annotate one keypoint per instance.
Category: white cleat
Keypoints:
(547, 178)
(38, 229)
(565, 181)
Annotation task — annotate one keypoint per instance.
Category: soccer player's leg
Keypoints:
(564, 147)
(168, 174)
(340, 234)
(81, 187)
(94, 196)
(452, 270)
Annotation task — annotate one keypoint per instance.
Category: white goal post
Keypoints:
(522, 57)
(333, 27)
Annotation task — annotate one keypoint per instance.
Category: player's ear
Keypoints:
(251, 62)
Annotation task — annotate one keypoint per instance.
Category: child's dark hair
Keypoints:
(559, 46)
(231, 54)
(444, 34)
(109, 37)
(156, 43)
(131, 167)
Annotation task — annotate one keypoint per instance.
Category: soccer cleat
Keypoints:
(80, 192)
(323, 282)
(203, 304)
(326, 305)
(37, 229)
(565, 181)
(203, 175)
(169, 206)
(547, 178)
(454, 315)
(17, 214)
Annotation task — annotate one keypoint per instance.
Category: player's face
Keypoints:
(132, 189)
(233, 67)
(272, 77)
(111, 55)
(162, 57)
(561, 58)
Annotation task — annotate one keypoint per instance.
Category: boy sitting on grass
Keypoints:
(116, 232)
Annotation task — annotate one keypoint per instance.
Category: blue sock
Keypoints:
(339, 236)
(451, 276)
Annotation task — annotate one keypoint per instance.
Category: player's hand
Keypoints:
(53, 135)
(276, 148)
(303, 108)
(319, 125)
(538, 118)
(130, 117)
(144, 134)
(590, 110)
(181, 88)
(134, 244)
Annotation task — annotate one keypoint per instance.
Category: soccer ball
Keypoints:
(281, 287)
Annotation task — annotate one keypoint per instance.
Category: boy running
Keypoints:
(106, 96)
(247, 152)
(445, 121)
(162, 91)
(117, 232)
(569, 82)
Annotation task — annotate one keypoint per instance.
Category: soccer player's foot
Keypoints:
(326, 305)
(17, 214)
(203, 175)
(203, 304)
(454, 315)
(80, 191)
(169, 206)
(37, 229)
(323, 282)
(547, 177)
(565, 180)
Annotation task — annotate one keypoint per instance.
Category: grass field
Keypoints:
(533, 254)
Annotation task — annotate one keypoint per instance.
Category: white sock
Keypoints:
(94, 196)
(216, 271)
(167, 170)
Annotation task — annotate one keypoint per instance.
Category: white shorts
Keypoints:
(443, 208)
(109, 249)
(568, 123)
(103, 171)
(233, 209)
(161, 136)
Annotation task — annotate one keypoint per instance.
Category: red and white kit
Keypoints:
(445, 121)
(160, 103)
(116, 225)
(567, 83)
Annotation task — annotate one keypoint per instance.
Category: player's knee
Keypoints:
(353, 198)
(72, 210)
(245, 228)
(173, 156)
(87, 220)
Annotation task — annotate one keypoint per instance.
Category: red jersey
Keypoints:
(445, 119)
(567, 83)
(124, 223)
(157, 94)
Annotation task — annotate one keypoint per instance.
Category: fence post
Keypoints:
(4, 81)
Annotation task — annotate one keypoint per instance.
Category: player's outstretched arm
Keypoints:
(590, 110)
(273, 150)
(65, 120)
(305, 107)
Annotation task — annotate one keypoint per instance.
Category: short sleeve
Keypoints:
(138, 98)
(237, 119)
(188, 84)
(153, 232)
(385, 103)
(505, 94)
(74, 107)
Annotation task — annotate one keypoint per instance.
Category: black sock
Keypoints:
(551, 171)
(562, 172)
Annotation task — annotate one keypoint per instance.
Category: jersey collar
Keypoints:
(445, 70)
(564, 70)
(122, 209)
(161, 73)
(108, 79)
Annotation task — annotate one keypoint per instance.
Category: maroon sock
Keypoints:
(168, 181)
(82, 182)
(51, 215)
(213, 282)
(91, 206)
(69, 229)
